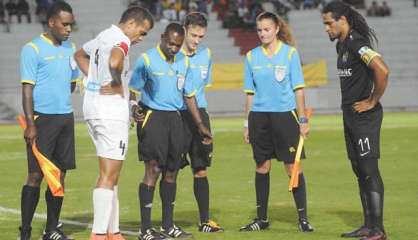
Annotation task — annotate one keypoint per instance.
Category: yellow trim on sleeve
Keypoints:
(28, 81)
(299, 86)
(146, 59)
(208, 85)
(34, 46)
(295, 116)
(249, 56)
(209, 53)
(147, 115)
(191, 94)
(136, 92)
(292, 50)
(249, 91)
(73, 46)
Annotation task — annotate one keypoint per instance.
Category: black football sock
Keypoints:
(168, 197)
(146, 196)
(364, 202)
(201, 193)
(299, 195)
(262, 189)
(29, 201)
(53, 205)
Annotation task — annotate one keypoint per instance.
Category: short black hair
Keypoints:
(196, 19)
(138, 14)
(56, 8)
(174, 27)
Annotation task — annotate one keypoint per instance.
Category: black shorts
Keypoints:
(195, 152)
(362, 132)
(160, 137)
(55, 141)
(274, 135)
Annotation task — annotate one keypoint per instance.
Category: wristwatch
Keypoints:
(303, 120)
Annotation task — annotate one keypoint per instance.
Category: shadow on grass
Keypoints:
(350, 218)
(280, 214)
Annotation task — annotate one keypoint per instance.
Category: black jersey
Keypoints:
(356, 79)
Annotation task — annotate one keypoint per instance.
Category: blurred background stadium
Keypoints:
(231, 34)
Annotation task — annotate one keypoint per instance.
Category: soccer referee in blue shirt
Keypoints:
(165, 81)
(273, 81)
(48, 75)
(199, 154)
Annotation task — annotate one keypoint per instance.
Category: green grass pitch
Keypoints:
(333, 202)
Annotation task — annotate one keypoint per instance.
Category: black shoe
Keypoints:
(59, 226)
(210, 227)
(375, 235)
(54, 235)
(255, 225)
(304, 226)
(363, 231)
(151, 234)
(175, 232)
(24, 234)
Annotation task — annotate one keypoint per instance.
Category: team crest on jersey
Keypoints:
(280, 72)
(203, 72)
(180, 81)
(344, 58)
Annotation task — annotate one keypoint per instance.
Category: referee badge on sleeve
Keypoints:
(280, 72)
(203, 72)
(180, 81)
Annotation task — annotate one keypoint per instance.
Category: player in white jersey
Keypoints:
(105, 62)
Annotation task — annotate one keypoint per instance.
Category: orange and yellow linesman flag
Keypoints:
(294, 179)
(51, 173)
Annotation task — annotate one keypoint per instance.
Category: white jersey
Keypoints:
(95, 105)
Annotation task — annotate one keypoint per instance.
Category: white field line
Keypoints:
(69, 222)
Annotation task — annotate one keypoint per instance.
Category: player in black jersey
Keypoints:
(363, 76)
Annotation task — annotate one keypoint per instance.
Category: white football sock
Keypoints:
(114, 217)
(102, 205)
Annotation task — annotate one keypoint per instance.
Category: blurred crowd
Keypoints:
(377, 10)
(243, 13)
(22, 8)
(172, 10)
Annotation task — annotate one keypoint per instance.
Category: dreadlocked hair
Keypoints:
(356, 21)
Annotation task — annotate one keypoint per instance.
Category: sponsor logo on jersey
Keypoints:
(346, 72)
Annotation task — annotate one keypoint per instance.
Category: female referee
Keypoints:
(275, 106)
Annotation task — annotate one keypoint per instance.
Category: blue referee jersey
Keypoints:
(162, 85)
(51, 69)
(274, 79)
(201, 67)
